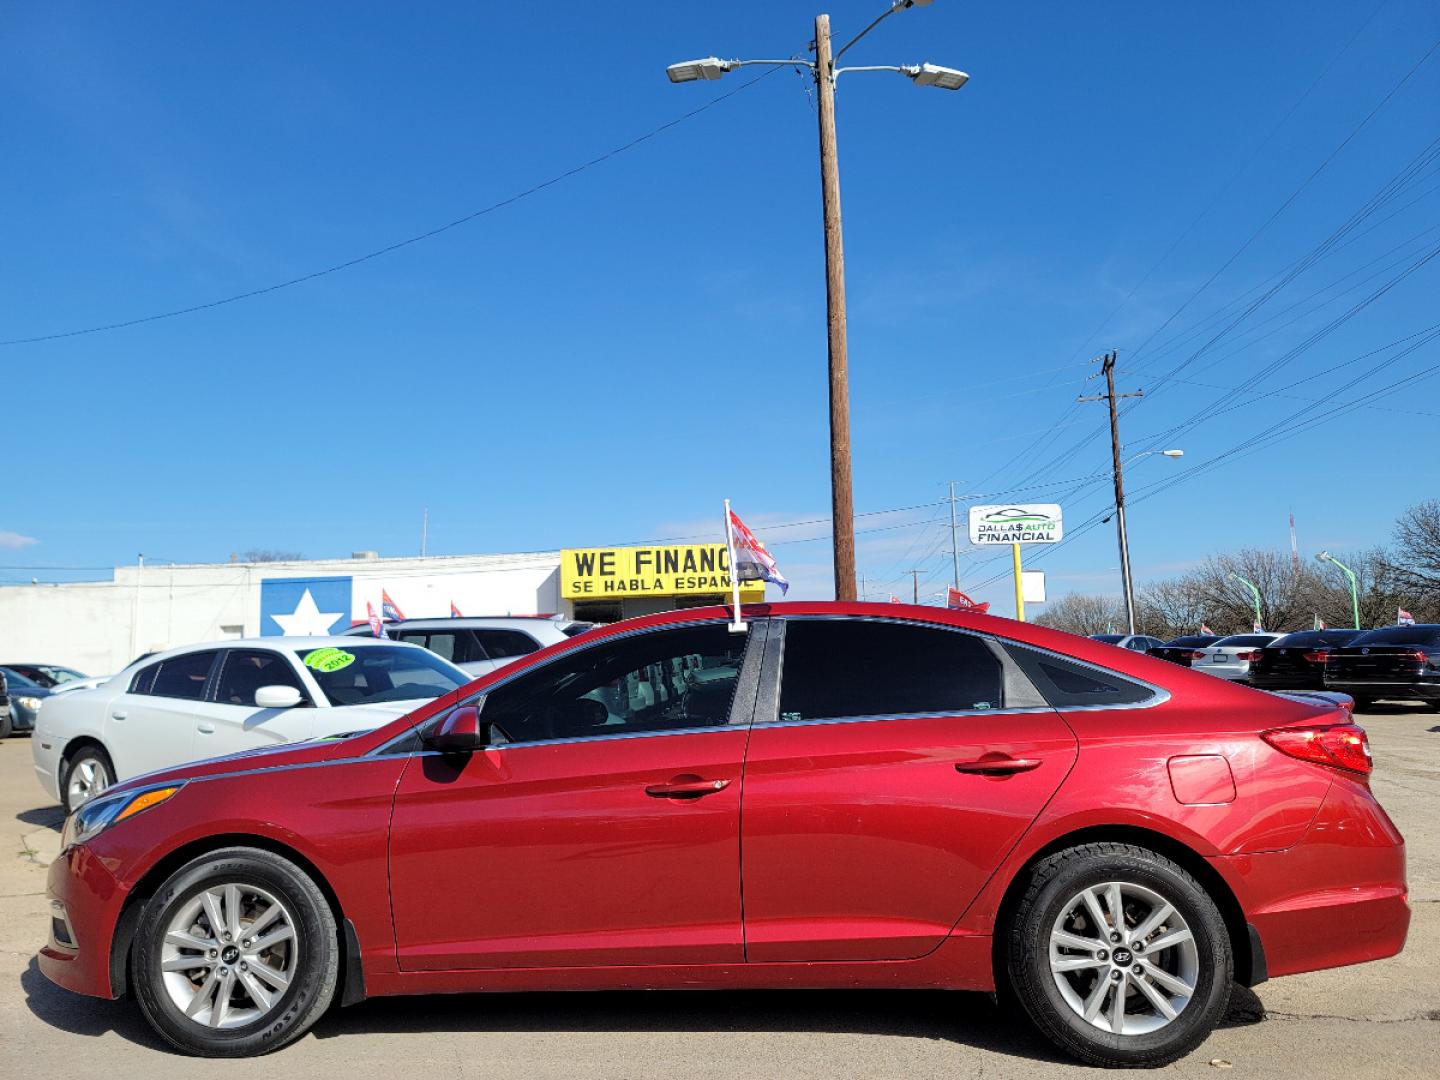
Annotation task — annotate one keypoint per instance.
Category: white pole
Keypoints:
(737, 625)
(135, 620)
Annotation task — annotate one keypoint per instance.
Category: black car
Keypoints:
(1181, 650)
(1395, 662)
(1297, 661)
(25, 699)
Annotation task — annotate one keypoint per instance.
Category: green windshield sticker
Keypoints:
(329, 659)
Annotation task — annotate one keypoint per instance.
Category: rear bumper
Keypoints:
(1337, 897)
(86, 899)
(1425, 689)
(1287, 681)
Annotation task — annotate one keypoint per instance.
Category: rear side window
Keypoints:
(841, 668)
(1067, 684)
(184, 676)
(499, 644)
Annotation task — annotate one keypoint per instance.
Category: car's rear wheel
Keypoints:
(1119, 956)
(236, 955)
(88, 772)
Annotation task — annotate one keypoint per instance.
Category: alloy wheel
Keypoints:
(229, 954)
(1123, 958)
(88, 778)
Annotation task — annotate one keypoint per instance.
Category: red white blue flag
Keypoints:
(455, 611)
(749, 561)
(956, 600)
(376, 626)
(1404, 618)
(388, 609)
(1205, 629)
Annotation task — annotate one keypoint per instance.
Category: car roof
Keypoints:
(277, 642)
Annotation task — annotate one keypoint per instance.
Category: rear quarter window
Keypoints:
(1068, 684)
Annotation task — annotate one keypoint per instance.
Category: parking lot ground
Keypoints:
(1380, 1019)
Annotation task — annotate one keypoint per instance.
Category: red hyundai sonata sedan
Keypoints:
(843, 795)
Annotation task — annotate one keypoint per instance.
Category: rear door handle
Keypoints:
(205, 729)
(998, 766)
(119, 714)
(686, 787)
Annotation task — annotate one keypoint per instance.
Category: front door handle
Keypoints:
(997, 766)
(686, 787)
(205, 729)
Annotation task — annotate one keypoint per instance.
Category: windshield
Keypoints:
(1307, 638)
(1192, 640)
(46, 675)
(1246, 640)
(16, 681)
(1400, 635)
(364, 674)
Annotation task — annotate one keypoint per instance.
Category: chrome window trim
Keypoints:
(761, 624)
(1159, 695)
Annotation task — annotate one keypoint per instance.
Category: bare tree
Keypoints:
(1083, 613)
(270, 555)
(1415, 558)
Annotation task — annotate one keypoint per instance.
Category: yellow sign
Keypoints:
(667, 570)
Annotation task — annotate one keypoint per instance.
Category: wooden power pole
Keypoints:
(842, 505)
(1110, 397)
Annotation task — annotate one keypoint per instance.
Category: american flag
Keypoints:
(388, 608)
(1403, 617)
(455, 611)
(1205, 629)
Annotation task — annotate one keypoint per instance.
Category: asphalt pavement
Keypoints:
(1379, 1019)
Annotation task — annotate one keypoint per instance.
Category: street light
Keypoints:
(824, 71)
(1255, 593)
(1126, 583)
(1325, 556)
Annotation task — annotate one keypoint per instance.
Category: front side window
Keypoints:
(836, 668)
(665, 680)
(373, 674)
(247, 670)
(185, 676)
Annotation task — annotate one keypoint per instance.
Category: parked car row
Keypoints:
(1392, 662)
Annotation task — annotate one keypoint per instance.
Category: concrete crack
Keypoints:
(1430, 1014)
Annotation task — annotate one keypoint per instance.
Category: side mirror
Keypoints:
(461, 731)
(277, 697)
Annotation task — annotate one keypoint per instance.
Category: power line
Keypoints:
(408, 241)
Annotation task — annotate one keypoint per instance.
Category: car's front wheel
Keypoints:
(236, 955)
(1119, 956)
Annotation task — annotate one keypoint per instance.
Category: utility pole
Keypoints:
(954, 538)
(842, 504)
(1108, 369)
(914, 584)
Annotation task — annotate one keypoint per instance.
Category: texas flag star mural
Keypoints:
(304, 607)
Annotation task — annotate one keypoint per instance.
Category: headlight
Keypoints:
(97, 815)
(31, 703)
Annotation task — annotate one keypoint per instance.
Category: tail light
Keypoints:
(1318, 656)
(1198, 654)
(1418, 654)
(1342, 746)
(1253, 654)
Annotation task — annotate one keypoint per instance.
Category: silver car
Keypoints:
(1230, 657)
(480, 645)
(1133, 642)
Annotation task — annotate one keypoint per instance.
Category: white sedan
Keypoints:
(1230, 657)
(205, 701)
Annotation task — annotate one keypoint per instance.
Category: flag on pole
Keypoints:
(894, 599)
(455, 611)
(749, 561)
(1403, 617)
(1320, 623)
(388, 608)
(956, 600)
(1205, 629)
(376, 626)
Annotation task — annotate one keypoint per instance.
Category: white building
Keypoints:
(100, 626)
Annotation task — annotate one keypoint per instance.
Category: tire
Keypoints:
(85, 775)
(7, 726)
(266, 997)
(1362, 703)
(1054, 903)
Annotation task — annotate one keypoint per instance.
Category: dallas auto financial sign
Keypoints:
(1028, 523)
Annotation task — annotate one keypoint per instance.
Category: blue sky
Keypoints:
(606, 360)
